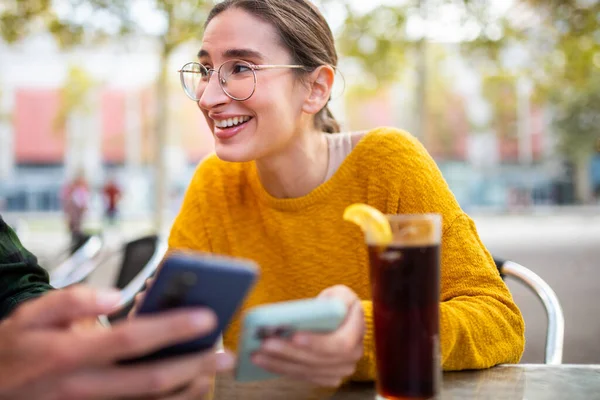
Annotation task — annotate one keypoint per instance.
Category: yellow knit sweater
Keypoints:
(304, 246)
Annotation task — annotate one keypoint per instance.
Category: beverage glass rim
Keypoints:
(397, 222)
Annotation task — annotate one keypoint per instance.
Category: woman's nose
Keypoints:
(213, 94)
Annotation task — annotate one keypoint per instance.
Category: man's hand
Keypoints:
(44, 358)
(137, 300)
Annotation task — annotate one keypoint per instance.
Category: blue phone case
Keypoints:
(282, 320)
(199, 280)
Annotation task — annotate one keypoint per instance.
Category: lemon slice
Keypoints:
(373, 223)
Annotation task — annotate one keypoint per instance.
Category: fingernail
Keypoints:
(108, 298)
(272, 345)
(301, 340)
(225, 362)
(200, 319)
(258, 360)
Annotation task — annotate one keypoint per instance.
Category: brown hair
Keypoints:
(303, 31)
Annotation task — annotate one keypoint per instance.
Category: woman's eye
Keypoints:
(239, 68)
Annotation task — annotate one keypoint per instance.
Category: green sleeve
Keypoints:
(21, 278)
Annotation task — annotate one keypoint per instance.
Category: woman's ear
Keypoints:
(320, 82)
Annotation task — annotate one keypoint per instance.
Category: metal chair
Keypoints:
(141, 259)
(79, 263)
(556, 321)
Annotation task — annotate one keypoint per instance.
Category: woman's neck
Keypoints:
(298, 169)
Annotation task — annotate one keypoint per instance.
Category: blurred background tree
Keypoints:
(576, 119)
(386, 42)
(567, 48)
(555, 44)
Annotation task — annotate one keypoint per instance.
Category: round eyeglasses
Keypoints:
(237, 78)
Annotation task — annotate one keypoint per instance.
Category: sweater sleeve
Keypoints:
(480, 325)
(21, 277)
(366, 368)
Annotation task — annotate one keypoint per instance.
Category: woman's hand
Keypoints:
(322, 359)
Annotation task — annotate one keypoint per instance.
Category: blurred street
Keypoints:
(565, 251)
(562, 247)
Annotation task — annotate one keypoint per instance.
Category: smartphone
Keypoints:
(283, 320)
(198, 280)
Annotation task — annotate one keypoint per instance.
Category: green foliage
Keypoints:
(185, 20)
(500, 90)
(566, 44)
(374, 40)
(440, 103)
(577, 119)
(21, 19)
(569, 79)
(74, 96)
(18, 17)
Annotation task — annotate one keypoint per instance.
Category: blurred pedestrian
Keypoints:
(112, 196)
(75, 200)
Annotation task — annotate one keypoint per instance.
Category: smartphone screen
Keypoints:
(193, 280)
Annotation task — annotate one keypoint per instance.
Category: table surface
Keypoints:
(521, 381)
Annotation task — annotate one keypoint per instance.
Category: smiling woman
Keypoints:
(276, 188)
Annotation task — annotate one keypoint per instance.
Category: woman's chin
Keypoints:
(233, 153)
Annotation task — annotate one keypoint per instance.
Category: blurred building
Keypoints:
(484, 166)
(113, 131)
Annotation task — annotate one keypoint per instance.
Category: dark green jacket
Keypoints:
(21, 278)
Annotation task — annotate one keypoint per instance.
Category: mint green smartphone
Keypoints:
(283, 320)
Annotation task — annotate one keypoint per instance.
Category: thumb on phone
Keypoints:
(137, 300)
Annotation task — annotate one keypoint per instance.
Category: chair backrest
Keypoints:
(59, 257)
(136, 255)
(140, 261)
(556, 321)
(80, 263)
(79, 241)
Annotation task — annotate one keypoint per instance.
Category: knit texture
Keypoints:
(304, 246)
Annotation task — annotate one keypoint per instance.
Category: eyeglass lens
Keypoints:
(236, 78)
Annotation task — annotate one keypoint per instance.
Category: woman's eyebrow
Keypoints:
(235, 53)
(243, 53)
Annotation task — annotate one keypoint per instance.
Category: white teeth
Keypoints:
(225, 123)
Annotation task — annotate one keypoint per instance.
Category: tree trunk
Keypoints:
(583, 187)
(160, 151)
(422, 64)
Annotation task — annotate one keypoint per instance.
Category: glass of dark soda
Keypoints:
(405, 284)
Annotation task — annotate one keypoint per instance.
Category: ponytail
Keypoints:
(326, 122)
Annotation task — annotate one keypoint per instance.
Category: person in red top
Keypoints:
(112, 195)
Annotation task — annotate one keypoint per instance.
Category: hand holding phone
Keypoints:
(319, 315)
(189, 280)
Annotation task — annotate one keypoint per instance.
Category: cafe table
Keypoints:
(519, 381)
